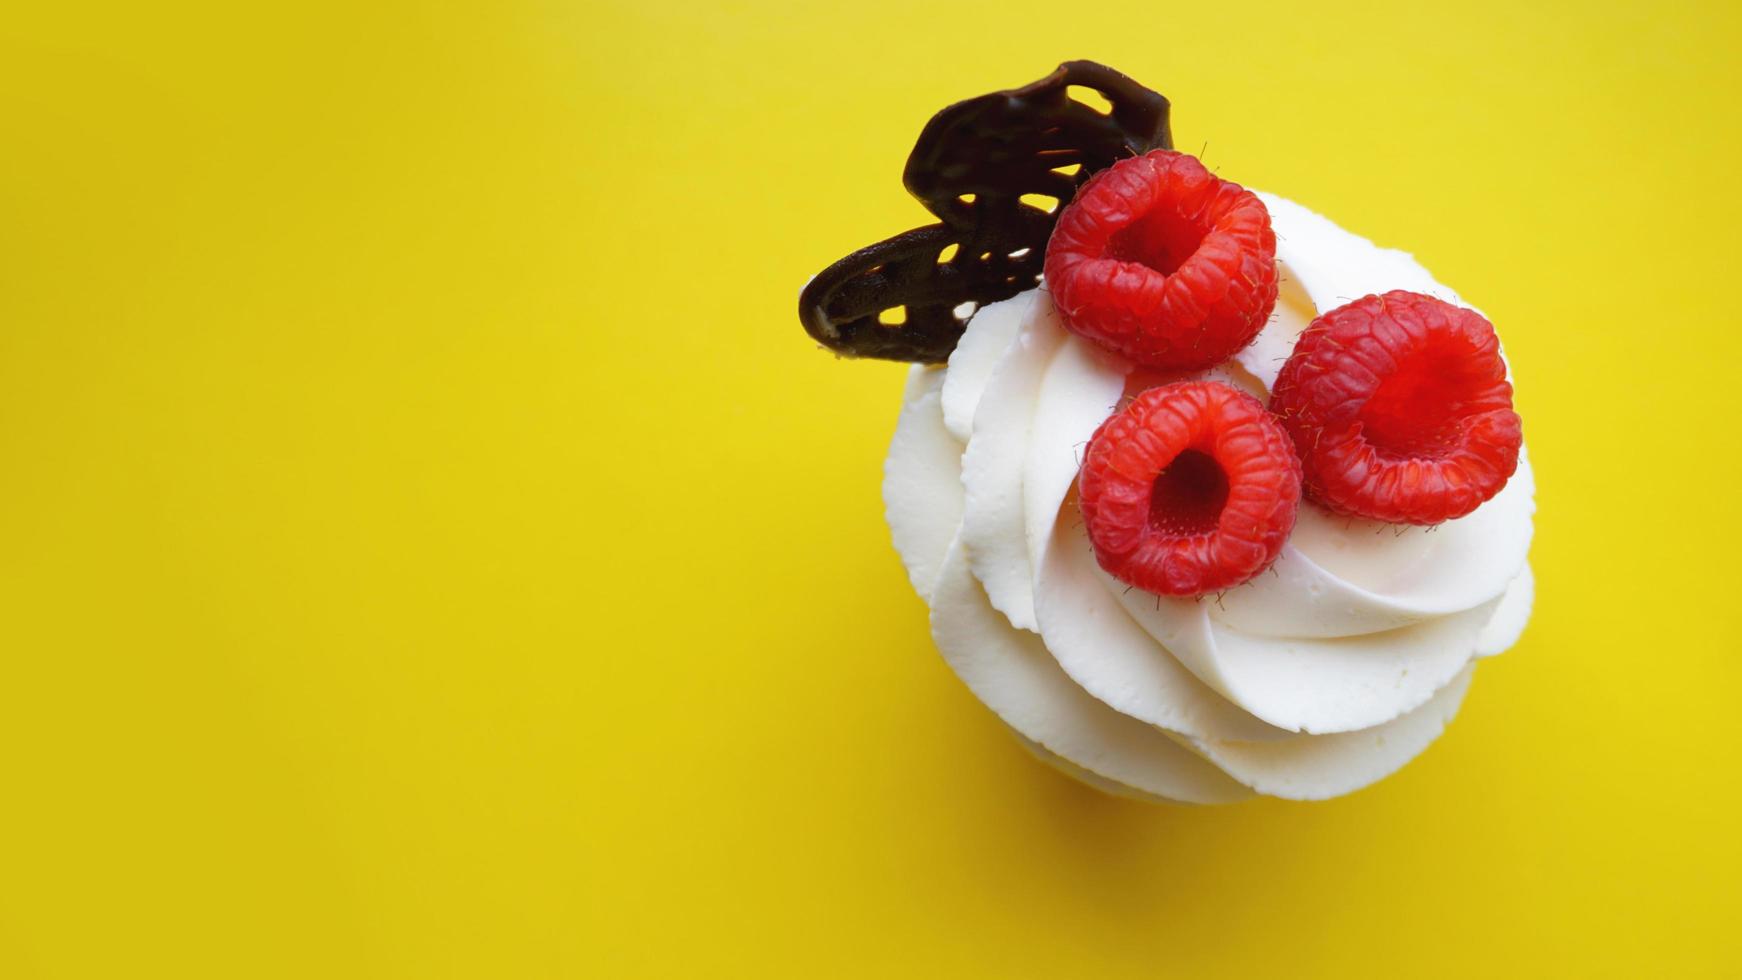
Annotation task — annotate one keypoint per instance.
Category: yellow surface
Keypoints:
(429, 546)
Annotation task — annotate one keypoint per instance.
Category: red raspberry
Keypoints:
(1191, 488)
(1400, 408)
(1164, 262)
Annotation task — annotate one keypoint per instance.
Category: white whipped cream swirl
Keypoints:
(1315, 679)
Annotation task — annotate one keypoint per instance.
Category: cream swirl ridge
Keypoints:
(1313, 680)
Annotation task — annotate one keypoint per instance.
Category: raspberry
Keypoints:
(1191, 488)
(1164, 262)
(1400, 408)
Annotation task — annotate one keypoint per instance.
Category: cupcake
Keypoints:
(1208, 497)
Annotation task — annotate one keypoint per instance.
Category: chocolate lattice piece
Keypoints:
(972, 166)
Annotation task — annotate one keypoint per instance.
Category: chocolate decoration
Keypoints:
(971, 167)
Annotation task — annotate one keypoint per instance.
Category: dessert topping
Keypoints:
(1400, 408)
(987, 168)
(1164, 262)
(1190, 489)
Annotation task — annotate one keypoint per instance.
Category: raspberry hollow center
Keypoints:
(1418, 411)
(1187, 498)
(1161, 240)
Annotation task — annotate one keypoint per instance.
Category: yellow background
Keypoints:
(429, 546)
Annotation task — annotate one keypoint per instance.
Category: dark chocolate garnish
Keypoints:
(971, 167)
